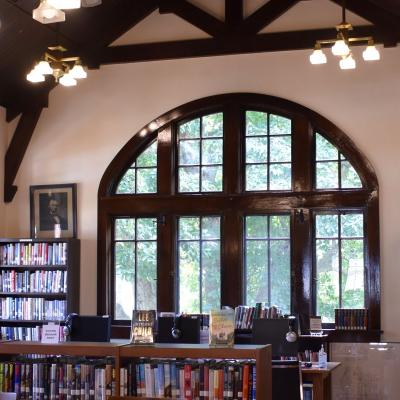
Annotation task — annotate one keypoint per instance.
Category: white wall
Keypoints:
(84, 127)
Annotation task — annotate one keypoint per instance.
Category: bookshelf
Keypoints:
(121, 353)
(39, 283)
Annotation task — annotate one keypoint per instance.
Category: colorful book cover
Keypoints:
(222, 327)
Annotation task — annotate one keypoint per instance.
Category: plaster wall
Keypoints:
(85, 126)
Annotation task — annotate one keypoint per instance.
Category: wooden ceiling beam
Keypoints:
(265, 15)
(386, 22)
(233, 13)
(194, 15)
(16, 150)
(267, 42)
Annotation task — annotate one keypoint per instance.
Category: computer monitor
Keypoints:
(273, 331)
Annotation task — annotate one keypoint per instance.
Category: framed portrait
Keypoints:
(53, 207)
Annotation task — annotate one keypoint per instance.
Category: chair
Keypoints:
(286, 380)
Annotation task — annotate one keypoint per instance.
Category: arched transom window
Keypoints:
(238, 199)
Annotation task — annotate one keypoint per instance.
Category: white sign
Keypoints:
(50, 333)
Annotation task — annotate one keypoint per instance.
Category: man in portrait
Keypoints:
(53, 210)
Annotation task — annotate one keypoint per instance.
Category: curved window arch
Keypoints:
(254, 198)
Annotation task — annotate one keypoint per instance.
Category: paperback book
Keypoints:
(222, 327)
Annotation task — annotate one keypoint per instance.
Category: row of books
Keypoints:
(27, 333)
(351, 319)
(33, 253)
(28, 308)
(58, 379)
(36, 282)
(244, 315)
(189, 379)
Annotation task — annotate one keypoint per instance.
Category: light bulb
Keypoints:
(35, 77)
(318, 56)
(347, 62)
(67, 80)
(47, 14)
(44, 68)
(340, 48)
(78, 72)
(65, 4)
(371, 53)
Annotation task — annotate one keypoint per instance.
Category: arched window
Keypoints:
(237, 199)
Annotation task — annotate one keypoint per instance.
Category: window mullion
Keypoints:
(302, 155)
(165, 160)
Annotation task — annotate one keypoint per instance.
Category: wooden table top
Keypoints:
(315, 370)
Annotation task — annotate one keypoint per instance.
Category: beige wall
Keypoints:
(84, 127)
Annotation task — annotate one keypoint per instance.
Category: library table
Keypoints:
(321, 380)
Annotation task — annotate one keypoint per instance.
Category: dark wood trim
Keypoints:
(16, 150)
(229, 44)
(384, 21)
(232, 204)
(233, 14)
(194, 15)
(265, 15)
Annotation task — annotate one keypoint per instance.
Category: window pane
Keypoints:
(257, 227)
(189, 228)
(189, 277)
(146, 276)
(267, 260)
(350, 178)
(127, 182)
(327, 175)
(190, 129)
(256, 177)
(146, 229)
(280, 226)
(280, 274)
(125, 229)
(213, 125)
(211, 276)
(189, 179)
(352, 225)
(353, 273)
(327, 226)
(189, 152)
(146, 180)
(199, 264)
(327, 259)
(279, 125)
(124, 279)
(256, 271)
(256, 123)
(211, 228)
(211, 151)
(324, 149)
(211, 179)
(148, 158)
(281, 149)
(256, 150)
(280, 177)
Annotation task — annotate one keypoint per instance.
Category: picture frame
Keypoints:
(52, 209)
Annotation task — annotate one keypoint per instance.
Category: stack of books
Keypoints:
(244, 315)
(351, 319)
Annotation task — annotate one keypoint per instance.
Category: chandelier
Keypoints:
(65, 70)
(341, 47)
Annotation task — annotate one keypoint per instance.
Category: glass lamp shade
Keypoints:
(47, 14)
(347, 62)
(78, 72)
(318, 57)
(371, 53)
(67, 80)
(44, 68)
(65, 4)
(340, 48)
(35, 76)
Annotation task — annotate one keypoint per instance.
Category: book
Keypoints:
(143, 326)
(222, 327)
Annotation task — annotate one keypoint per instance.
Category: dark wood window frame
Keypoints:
(234, 203)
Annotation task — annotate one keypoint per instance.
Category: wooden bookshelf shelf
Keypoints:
(46, 295)
(47, 267)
